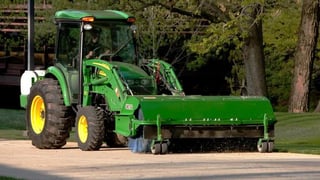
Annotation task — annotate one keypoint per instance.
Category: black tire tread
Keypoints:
(58, 117)
(95, 118)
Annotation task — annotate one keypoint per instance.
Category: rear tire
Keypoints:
(90, 128)
(48, 120)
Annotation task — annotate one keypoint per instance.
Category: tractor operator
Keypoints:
(95, 47)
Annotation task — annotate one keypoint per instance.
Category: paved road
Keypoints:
(20, 159)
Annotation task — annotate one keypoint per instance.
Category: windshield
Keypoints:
(110, 41)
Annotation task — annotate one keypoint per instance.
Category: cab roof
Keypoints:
(97, 14)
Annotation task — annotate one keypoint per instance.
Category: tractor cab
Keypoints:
(112, 41)
(95, 35)
(93, 38)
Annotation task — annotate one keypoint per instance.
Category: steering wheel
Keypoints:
(95, 50)
(106, 56)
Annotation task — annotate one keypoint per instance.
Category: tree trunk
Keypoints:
(308, 32)
(253, 53)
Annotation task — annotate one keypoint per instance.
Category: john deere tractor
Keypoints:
(108, 94)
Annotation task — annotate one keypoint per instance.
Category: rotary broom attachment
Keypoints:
(203, 124)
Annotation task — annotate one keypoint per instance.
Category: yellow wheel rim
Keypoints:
(83, 129)
(37, 114)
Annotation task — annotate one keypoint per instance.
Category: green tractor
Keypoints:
(112, 96)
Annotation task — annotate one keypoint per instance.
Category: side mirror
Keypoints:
(87, 27)
(133, 28)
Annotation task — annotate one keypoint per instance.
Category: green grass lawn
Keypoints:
(12, 124)
(297, 133)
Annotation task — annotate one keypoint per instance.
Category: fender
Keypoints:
(57, 73)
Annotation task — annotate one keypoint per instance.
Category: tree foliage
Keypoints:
(240, 36)
(197, 35)
(280, 36)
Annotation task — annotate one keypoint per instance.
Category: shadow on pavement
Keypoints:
(26, 174)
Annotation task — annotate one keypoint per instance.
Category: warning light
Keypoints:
(131, 19)
(87, 19)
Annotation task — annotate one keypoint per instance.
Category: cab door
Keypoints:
(68, 56)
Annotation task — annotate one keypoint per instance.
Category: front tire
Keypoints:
(90, 128)
(48, 120)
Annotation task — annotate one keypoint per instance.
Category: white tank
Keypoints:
(27, 79)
